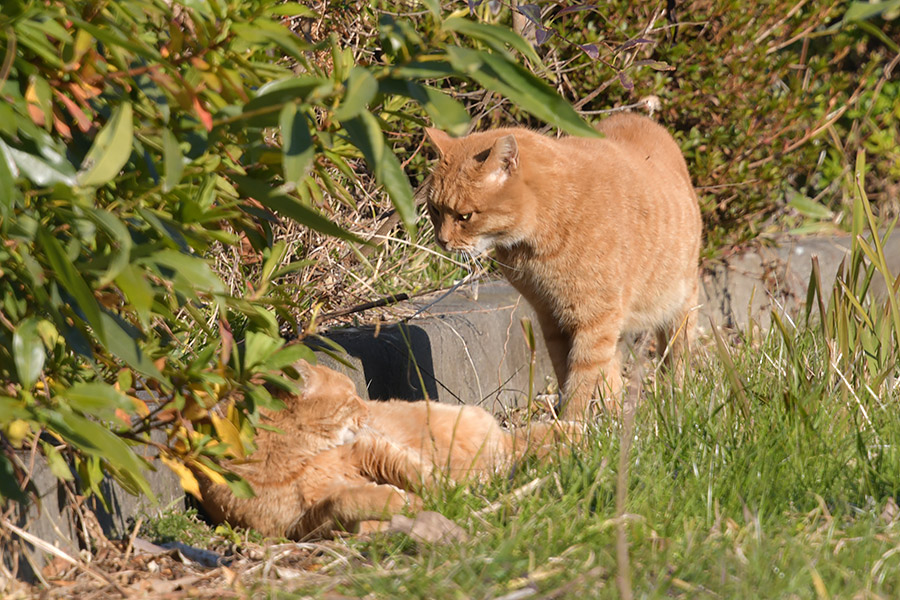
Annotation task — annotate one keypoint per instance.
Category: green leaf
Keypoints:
(137, 290)
(291, 208)
(98, 441)
(97, 399)
(810, 208)
(119, 233)
(38, 170)
(57, 463)
(289, 355)
(428, 69)
(8, 190)
(9, 486)
(110, 150)
(192, 274)
(445, 112)
(861, 11)
(122, 342)
(359, 89)
(365, 133)
(298, 152)
(238, 485)
(259, 347)
(114, 40)
(276, 93)
(173, 161)
(434, 6)
(494, 36)
(11, 409)
(291, 9)
(276, 255)
(71, 280)
(28, 352)
(522, 87)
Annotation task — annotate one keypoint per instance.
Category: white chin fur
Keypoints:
(483, 244)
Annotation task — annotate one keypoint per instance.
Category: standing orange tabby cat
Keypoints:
(601, 236)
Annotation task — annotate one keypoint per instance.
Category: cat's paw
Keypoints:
(414, 503)
(402, 500)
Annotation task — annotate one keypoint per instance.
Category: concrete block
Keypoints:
(460, 350)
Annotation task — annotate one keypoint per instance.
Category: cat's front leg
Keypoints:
(347, 506)
(594, 369)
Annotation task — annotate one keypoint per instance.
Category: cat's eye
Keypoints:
(465, 216)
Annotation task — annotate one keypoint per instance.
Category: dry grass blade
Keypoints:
(629, 409)
(730, 370)
(517, 494)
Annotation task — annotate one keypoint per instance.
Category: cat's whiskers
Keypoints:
(502, 264)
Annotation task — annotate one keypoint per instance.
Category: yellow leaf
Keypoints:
(16, 432)
(229, 434)
(193, 407)
(140, 407)
(214, 476)
(188, 481)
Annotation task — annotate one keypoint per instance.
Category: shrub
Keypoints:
(139, 139)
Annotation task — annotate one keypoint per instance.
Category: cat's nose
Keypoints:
(441, 241)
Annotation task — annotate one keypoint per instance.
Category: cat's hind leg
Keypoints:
(381, 460)
(673, 342)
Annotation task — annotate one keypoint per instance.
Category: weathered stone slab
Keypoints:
(753, 283)
(460, 349)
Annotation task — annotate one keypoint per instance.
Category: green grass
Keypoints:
(793, 498)
(177, 524)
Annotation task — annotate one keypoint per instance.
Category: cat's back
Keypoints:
(646, 143)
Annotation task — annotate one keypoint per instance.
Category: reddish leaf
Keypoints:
(227, 341)
(204, 115)
(575, 8)
(591, 50)
(84, 123)
(634, 42)
(541, 35)
(532, 12)
(35, 110)
(60, 126)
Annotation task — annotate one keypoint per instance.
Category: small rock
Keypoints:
(891, 511)
(428, 527)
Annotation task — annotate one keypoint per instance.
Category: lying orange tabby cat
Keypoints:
(342, 460)
(601, 236)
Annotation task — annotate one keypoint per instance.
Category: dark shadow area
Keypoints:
(397, 363)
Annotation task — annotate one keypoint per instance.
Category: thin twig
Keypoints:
(134, 533)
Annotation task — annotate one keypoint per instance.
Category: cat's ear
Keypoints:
(440, 140)
(304, 370)
(504, 155)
